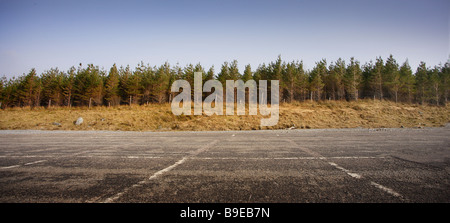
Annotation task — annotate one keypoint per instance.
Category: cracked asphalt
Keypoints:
(288, 166)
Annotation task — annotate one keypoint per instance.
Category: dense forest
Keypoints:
(338, 80)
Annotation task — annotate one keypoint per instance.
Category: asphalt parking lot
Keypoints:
(298, 166)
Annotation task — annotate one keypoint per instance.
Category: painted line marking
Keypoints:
(354, 175)
(9, 167)
(387, 190)
(167, 169)
(26, 164)
(348, 172)
(31, 163)
(160, 172)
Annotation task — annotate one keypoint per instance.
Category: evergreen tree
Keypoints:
(367, 79)
(406, 82)
(275, 72)
(257, 75)
(292, 80)
(421, 82)
(302, 82)
(392, 77)
(315, 80)
(248, 74)
(335, 80)
(161, 82)
(11, 94)
(434, 84)
(88, 86)
(224, 73)
(133, 87)
(209, 74)
(352, 79)
(112, 90)
(52, 87)
(124, 75)
(377, 78)
(68, 85)
(234, 71)
(29, 89)
(276, 69)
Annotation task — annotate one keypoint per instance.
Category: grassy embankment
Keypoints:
(157, 117)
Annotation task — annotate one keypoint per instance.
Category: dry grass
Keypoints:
(155, 117)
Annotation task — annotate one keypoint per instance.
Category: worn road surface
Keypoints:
(330, 165)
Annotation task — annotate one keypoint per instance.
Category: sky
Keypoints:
(45, 34)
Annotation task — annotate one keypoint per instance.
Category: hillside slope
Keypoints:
(157, 117)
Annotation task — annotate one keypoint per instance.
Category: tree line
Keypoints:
(338, 80)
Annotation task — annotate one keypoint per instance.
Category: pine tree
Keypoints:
(68, 85)
(377, 78)
(234, 71)
(248, 74)
(112, 91)
(406, 81)
(315, 80)
(352, 79)
(434, 84)
(52, 87)
(275, 73)
(276, 69)
(224, 73)
(133, 87)
(421, 82)
(29, 89)
(292, 80)
(392, 77)
(162, 83)
(210, 74)
(124, 75)
(335, 80)
(302, 82)
(88, 86)
(367, 90)
(11, 94)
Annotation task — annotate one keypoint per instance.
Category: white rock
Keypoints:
(79, 121)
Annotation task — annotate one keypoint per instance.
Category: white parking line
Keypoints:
(160, 172)
(354, 175)
(348, 172)
(39, 161)
(9, 167)
(26, 164)
(387, 190)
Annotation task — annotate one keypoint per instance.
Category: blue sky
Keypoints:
(44, 34)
